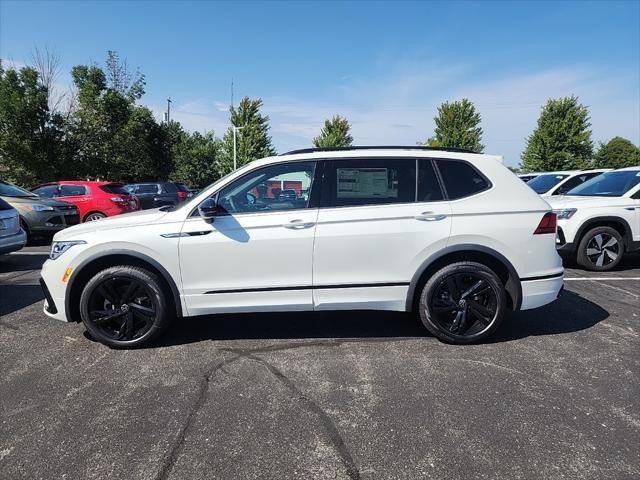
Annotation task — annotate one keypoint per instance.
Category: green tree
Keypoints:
(196, 157)
(562, 139)
(457, 126)
(30, 136)
(334, 133)
(617, 153)
(253, 140)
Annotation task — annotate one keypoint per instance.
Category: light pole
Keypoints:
(235, 148)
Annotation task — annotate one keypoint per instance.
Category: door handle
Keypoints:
(430, 217)
(298, 224)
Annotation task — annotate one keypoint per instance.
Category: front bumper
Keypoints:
(54, 289)
(561, 243)
(41, 222)
(536, 293)
(13, 243)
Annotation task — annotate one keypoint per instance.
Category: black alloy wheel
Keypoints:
(124, 306)
(463, 303)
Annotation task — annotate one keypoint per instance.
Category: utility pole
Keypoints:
(168, 116)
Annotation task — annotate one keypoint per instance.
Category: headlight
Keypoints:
(58, 248)
(565, 213)
(39, 207)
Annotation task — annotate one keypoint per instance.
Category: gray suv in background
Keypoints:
(157, 194)
(39, 215)
(12, 237)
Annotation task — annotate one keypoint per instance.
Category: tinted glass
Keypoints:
(574, 182)
(609, 184)
(10, 190)
(72, 190)
(48, 191)
(278, 187)
(460, 178)
(182, 187)
(4, 205)
(115, 188)
(369, 181)
(544, 183)
(428, 187)
(153, 188)
(169, 188)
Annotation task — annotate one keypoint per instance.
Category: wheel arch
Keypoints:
(617, 223)
(467, 252)
(93, 264)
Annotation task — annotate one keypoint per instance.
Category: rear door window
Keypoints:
(461, 179)
(369, 181)
(428, 185)
(72, 190)
(147, 188)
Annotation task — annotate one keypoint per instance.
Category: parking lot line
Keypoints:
(600, 279)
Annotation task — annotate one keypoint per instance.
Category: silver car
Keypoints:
(12, 237)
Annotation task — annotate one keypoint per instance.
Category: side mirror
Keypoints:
(208, 210)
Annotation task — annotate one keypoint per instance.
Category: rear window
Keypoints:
(460, 178)
(182, 187)
(114, 188)
(4, 205)
(169, 187)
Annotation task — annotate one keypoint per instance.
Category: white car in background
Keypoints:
(599, 221)
(383, 228)
(526, 177)
(559, 183)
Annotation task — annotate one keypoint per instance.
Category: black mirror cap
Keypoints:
(208, 210)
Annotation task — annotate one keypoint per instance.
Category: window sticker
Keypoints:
(364, 183)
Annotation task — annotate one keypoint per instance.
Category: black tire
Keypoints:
(125, 307)
(463, 303)
(92, 216)
(600, 249)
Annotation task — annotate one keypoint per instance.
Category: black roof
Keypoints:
(377, 147)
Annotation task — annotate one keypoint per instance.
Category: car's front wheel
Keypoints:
(463, 303)
(125, 306)
(600, 249)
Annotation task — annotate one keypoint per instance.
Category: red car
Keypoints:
(95, 200)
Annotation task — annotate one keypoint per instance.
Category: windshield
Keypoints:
(9, 190)
(543, 183)
(609, 184)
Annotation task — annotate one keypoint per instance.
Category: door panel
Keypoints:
(257, 253)
(366, 255)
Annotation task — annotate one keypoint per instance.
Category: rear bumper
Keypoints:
(13, 243)
(539, 292)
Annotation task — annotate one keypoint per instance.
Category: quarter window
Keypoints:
(460, 178)
(374, 181)
(285, 186)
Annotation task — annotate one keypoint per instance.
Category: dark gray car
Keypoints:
(156, 194)
(39, 215)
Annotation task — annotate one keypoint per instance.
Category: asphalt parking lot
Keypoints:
(334, 395)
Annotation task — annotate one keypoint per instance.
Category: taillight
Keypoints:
(182, 195)
(117, 199)
(548, 224)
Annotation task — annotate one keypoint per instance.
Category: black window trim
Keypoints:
(314, 200)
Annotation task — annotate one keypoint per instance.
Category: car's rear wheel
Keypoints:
(463, 303)
(600, 249)
(94, 216)
(125, 306)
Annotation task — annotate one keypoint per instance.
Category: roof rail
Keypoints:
(376, 147)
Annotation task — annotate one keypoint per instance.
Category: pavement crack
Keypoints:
(328, 424)
(178, 442)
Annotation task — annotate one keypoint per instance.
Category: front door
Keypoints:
(378, 219)
(257, 253)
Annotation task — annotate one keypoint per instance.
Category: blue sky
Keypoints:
(384, 65)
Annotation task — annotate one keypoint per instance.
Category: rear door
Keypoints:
(379, 218)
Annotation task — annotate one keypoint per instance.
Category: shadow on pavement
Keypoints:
(17, 297)
(570, 313)
(630, 261)
(21, 263)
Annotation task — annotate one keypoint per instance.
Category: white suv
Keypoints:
(393, 228)
(600, 220)
(559, 183)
